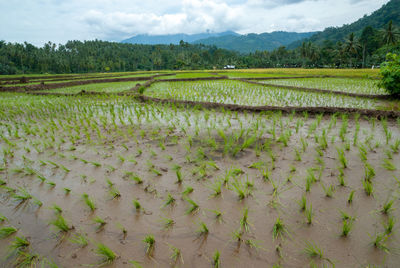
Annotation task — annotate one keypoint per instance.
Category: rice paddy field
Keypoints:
(201, 170)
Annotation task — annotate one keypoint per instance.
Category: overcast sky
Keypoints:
(39, 21)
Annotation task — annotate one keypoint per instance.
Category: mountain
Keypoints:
(173, 38)
(378, 19)
(253, 42)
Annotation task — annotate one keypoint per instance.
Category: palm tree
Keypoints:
(351, 47)
(390, 34)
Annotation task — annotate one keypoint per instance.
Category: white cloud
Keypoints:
(39, 21)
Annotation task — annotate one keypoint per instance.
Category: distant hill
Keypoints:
(253, 42)
(173, 38)
(378, 19)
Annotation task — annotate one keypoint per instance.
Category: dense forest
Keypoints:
(365, 50)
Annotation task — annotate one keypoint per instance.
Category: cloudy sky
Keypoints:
(39, 21)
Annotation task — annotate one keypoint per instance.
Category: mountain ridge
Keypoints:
(255, 42)
(172, 38)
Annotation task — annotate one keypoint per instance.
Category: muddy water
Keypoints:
(356, 250)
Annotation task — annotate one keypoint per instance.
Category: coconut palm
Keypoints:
(390, 34)
(351, 47)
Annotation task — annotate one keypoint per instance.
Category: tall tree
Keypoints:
(390, 35)
(351, 47)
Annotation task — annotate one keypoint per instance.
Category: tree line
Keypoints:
(363, 50)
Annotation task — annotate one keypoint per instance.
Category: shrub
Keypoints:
(390, 72)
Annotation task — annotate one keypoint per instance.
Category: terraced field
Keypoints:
(179, 173)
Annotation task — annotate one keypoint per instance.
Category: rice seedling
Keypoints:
(179, 178)
(187, 191)
(265, 173)
(79, 239)
(107, 255)
(346, 227)
(251, 243)
(101, 223)
(114, 192)
(297, 155)
(169, 201)
(341, 179)
(7, 231)
(396, 146)
(313, 250)
(67, 190)
(95, 164)
(363, 153)
(368, 187)
(26, 259)
(351, 196)
(387, 207)
(61, 224)
(342, 157)
(51, 184)
(309, 214)
(168, 223)
(65, 169)
(379, 242)
(88, 201)
(203, 229)
(302, 203)
(389, 154)
(244, 221)
(194, 207)
(150, 244)
(328, 190)
(41, 178)
(216, 188)
(176, 254)
(387, 164)
(137, 204)
(216, 259)
(57, 209)
(22, 195)
(3, 218)
(218, 215)
(279, 229)
(369, 171)
(135, 178)
(135, 264)
(240, 189)
(390, 225)
(309, 182)
(20, 244)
